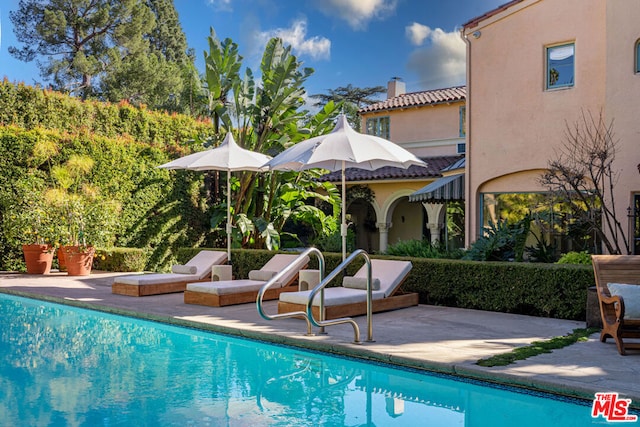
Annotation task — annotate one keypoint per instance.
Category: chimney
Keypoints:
(395, 87)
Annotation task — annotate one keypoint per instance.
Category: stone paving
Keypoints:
(440, 339)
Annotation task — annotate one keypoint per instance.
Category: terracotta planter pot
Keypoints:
(62, 260)
(79, 262)
(38, 258)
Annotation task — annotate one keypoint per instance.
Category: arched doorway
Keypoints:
(363, 217)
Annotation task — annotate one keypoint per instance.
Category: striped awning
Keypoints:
(448, 188)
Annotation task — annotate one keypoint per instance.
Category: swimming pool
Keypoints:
(65, 366)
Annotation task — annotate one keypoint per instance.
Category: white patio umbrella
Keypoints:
(344, 148)
(228, 157)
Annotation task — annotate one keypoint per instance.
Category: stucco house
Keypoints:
(534, 67)
(430, 124)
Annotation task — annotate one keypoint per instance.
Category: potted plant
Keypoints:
(88, 219)
(30, 224)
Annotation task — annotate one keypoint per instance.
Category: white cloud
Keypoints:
(221, 5)
(417, 33)
(357, 13)
(296, 36)
(441, 62)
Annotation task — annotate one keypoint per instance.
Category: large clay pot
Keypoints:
(79, 260)
(62, 260)
(38, 258)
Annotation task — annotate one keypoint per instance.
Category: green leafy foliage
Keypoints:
(583, 258)
(423, 249)
(501, 241)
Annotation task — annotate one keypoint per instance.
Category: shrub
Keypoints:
(583, 258)
(423, 249)
(120, 259)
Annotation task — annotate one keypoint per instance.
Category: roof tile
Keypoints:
(434, 166)
(417, 99)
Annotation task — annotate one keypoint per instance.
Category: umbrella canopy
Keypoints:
(344, 148)
(229, 157)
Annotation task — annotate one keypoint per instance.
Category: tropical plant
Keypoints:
(501, 241)
(266, 117)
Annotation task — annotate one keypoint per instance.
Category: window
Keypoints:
(379, 126)
(462, 148)
(637, 61)
(560, 66)
(463, 121)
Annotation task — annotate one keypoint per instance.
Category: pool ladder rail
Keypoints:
(307, 315)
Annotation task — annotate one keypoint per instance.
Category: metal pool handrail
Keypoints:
(320, 289)
(276, 278)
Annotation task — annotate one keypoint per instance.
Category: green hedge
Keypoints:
(30, 107)
(120, 259)
(543, 290)
(161, 210)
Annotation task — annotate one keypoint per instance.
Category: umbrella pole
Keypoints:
(343, 225)
(228, 217)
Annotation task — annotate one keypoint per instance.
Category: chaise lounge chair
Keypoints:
(618, 287)
(350, 299)
(197, 269)
(229, 292)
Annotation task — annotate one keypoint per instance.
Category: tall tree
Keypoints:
(72, 40)
(265, 116)
(351, 100)
(109, 49)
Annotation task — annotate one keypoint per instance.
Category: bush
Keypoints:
(423, 249)
(120, 259)
(583, 258)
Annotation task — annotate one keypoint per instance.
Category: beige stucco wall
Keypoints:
(431, 130)
(514, 123)
(623, 97)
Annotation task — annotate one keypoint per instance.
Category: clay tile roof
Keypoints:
(416, 99)
(434, 166)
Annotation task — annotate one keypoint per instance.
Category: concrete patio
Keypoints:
(440, 339)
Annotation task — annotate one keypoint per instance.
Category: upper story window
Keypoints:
(462, 122)
(560, 66)
(379, 126)
(637, 62)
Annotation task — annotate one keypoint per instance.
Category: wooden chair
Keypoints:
(616, 321)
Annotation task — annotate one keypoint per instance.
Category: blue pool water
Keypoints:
(64, 366)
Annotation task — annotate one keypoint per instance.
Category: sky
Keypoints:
(364, 43)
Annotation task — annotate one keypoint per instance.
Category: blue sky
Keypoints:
(360, 42)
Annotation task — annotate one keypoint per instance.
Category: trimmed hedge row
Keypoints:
(29, 107)
(543, 290)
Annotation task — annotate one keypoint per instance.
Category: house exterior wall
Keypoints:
(515, 123)
(622, 98)
(431, 130)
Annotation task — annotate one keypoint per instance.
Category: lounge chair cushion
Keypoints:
(154, 278)
(390, 273)
(631, 296)
(262, 275)
(226, 287)
(202, 262)
(360, 283)
(184, 269)
(332, 296)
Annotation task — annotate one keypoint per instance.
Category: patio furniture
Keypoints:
(350, 299)
(197, 269)
(618, 287)
(230, 292)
